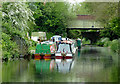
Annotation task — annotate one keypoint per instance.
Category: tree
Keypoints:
(107, 14)
(16, 21)
(112, 29)
(52, 17)
(103, 11)
(16, 17)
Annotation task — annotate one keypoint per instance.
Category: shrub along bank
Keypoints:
(17, 20)
(106, 42)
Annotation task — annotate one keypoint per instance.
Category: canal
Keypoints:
(90, 64)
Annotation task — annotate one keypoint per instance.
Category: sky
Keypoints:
(75, 1)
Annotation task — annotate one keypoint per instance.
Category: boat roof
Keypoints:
(47, 42)
(56, 36)
(66, 41)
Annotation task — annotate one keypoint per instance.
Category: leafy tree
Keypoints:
(112, 29)
(52, 17)
(107, 14)
(103, 11)
(16, 17)
(74, 34)
(17, 20)
(9, 48)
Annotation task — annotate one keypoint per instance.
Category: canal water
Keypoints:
(90, 64)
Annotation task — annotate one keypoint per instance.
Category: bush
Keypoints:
(85, 41)
(74, 34)
(33, 43)
(107, 43)
(112, 29)
(99, 43)
(114, 45)
(9, 48)
(103, 41)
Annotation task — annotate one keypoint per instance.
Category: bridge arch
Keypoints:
(86, 22)
(92, 36)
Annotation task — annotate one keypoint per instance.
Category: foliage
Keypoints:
(32, 46)
(102, 41)
(104, 12)
(33, 43)
(92, 30)
(85, 41)
(112, 29)
(16, 17)
(80, 8)
(74, 34)
(107, 43)
(9, 47)
(49, 35)
(113, 45)
(107, 14)
(17, 20)
(51, 17)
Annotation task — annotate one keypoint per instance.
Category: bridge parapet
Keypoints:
(84, 21)
(73, 28)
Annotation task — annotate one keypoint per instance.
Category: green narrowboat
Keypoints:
(45, 50)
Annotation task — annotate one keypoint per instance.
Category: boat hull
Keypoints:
(42, 56)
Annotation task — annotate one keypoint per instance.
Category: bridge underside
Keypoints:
(92, 36)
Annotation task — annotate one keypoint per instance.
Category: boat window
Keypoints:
(59, 38)
(72, 46)
(65, 47)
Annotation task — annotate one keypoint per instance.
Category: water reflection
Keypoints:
(44, 66)
(91, 64)
(13, 70)
(79, 51)
(61, 65)
(65, 65)
(95, 56)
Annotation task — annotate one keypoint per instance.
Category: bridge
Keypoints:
(85, 28)
(86, 22)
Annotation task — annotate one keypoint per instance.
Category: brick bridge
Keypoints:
(92, 36)
(86, 22)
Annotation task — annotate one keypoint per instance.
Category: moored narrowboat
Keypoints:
(45, 50)
(66, 49)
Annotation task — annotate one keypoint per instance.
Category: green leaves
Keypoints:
(104, 12)
(74, 34)
(9, 47)
(17, 20)
(52, 17)
(112, 29)
(17, 16)
(107, 14)
(114, 26)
